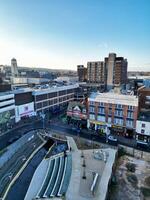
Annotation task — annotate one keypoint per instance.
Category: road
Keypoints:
(13, 165)
(62, 129)
(4, 139)
(20, 187)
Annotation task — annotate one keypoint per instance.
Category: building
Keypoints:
(82, 73)
(24, 104)
(7, 110)
(144, 98)
(96, 73)
(143, 129)
(53, 98)
(67, 79)
(112, 112)
(146, 82)
(77, 112)
(14, 68)
(116, 70)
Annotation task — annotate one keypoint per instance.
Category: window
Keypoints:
(84, 110)
(101, 104)
(130, 107)
(101, 118)
(109, 120)
(118, 121)
(142, 131)
(130, 114)
(92, 103)
(92, 109)
(119, 106)
(101, 110)
(118, 113)
(92, 117)
(129, 123)
(143, 125)
(110, 105)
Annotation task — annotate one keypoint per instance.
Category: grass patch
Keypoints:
(145, 191)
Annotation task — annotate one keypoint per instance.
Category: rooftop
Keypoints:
(114, 98)
(54, 89)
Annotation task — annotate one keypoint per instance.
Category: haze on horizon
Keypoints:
(63, 34)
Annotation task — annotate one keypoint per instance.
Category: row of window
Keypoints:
(53, 101)
(47, 97)
(53, 94)
(117, 106)
(118, 113)
(117, 121)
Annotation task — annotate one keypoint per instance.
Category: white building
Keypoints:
(14, 68)
(7, 108)
(53, 97)
(143, 128)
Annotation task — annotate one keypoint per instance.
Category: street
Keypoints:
(62, 128)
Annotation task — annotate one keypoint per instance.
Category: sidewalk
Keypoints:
(121, 139)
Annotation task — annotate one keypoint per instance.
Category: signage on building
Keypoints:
(25, 110)
(98, 123)
(76, 113)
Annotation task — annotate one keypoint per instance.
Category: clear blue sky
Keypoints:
(64, 33)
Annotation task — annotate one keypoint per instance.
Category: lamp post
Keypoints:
(42, 115)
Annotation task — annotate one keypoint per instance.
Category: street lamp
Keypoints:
(42, 115)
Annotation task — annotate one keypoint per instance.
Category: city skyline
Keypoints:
(64, 35)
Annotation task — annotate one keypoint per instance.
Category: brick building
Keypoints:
(110, 111)
(144, 98)
(82, 73)
(96, 73)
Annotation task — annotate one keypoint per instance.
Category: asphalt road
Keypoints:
(63, 129)
(20, 187)
(4, 139)
(9, 170)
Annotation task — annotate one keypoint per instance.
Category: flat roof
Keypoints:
(6, 93)
(114, 98)
(54, 89)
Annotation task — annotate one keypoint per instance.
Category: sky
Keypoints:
(61, 34)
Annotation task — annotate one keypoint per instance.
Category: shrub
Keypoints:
(131, 167)
(147, 181)
(132, 179)
(121, 152)
(145, 191)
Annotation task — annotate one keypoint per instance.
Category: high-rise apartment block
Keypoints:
(111, 72)
(96, 72)
(82, 73)
(116, 68)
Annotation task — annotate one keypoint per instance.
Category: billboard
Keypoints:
(25, 110)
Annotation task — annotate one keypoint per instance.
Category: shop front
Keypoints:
(117, 130)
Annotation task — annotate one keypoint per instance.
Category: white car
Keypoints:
(112, 138)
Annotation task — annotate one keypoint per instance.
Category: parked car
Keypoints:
(112, 140)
